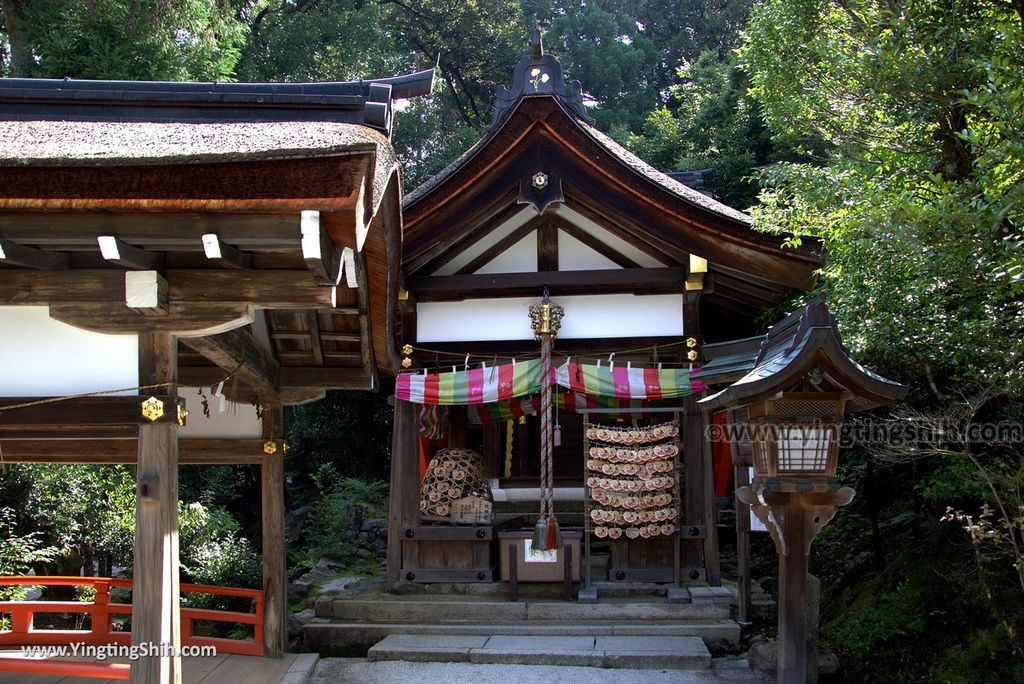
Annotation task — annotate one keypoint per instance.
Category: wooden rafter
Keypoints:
(237, 351)
(119, 252)
(322, 255)
(224, 254)
(27, 257)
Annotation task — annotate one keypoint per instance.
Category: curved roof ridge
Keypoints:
(662, 179)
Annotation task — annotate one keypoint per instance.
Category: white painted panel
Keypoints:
(573, 255)
(41, 357)
(519, 258)
(485, 243)
(618, 244)
(227, 419)
(586, 316)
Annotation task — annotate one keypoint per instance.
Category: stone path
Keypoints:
(359, 671)
(670, 652)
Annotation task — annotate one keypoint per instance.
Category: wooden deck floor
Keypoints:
(219, 669)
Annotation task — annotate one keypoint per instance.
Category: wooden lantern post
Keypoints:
(795, 493)
(802, 385)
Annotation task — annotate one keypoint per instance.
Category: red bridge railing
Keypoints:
(102, 611)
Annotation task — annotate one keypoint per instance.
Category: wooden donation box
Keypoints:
(539, 566)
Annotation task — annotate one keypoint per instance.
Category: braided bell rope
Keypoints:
(546, 434)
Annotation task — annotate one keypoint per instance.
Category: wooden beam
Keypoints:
(237, 351)
(224, 254)
(145, 292)
(119, 252)
(27, 257)
(340, 336)
(369, 367)
(313, 323)
(97, 411)
(275, 607)
(160, 231)
(156, 615)
(440, 252)
(289, 378)
(634, 280)
(271, 289)
(322, 256)
(125, 450)
(185, 320)
(547, 247)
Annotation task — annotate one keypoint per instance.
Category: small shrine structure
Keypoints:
(157, 238)
(655, 279)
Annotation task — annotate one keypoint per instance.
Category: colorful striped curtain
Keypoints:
(626, 382)
(474, 386)
(509, 381)
(567, 402)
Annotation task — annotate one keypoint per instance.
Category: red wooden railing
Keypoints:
(101, 612)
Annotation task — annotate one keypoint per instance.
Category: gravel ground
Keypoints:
(359, 671)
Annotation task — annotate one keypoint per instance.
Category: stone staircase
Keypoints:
(619, 631)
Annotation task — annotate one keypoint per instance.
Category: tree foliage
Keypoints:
(915, 193)
(149, 39)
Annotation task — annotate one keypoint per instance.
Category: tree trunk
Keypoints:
(22, 62)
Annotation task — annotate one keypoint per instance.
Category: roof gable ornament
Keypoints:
(539, 74)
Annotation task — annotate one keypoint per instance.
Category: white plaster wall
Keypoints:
(519, 258)
(227, 420)
(41, 357)
(586, 316)
(573, 255)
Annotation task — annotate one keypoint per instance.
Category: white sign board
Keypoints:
(755, 523)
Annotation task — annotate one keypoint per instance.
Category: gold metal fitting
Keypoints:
(153, 409)
(407, 349)
(406, 362)
(692, 355)
(691, 342)
(182, 415)
(270, 447)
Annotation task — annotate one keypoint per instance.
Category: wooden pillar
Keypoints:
(693, 487)
(793, 596)
(712, 566)
(403, 506)
(744, 608)
(275, 606)
(156, 615)
(793, 519)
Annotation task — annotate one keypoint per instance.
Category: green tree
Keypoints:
(149, 39)
(320, 41)
(711, 121)
(917, 199)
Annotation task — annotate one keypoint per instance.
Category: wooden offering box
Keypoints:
(533, 568)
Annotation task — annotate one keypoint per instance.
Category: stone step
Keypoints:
(669, 652)
(720, 636)
(434, 609)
